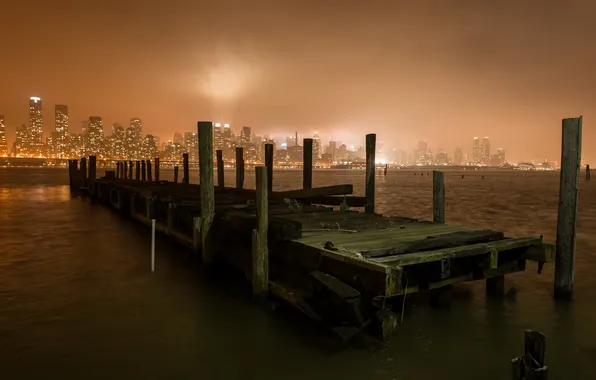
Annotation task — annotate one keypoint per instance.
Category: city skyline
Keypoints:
(474, 70)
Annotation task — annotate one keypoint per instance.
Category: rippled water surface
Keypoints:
(78, 301)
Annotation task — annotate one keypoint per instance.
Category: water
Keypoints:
(78, 300)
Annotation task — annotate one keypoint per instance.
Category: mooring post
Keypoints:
(83, 172)
(152, 245)
(149, 171)
(239, 167)
(220, 169)
(207, 191)
(156, 169)
(371, 146)
(196, 234)
(125, 172)
(138, 170)
(269, 166)
(143, 171)
(260, 255)
(186, 169)
(587, 172)
(438, 197)
(73, 173)
(568, 197)
(307, 164)
(118, 169)
(175, 174)
(532, 364)
(92, 173)
(130, 169)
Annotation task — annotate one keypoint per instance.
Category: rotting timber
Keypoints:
(340, 267)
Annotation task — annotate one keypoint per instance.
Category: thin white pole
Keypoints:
(152, 245)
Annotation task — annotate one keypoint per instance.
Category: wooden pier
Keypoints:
(341, 266)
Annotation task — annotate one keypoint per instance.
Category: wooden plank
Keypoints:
(432, 242)
(186, 168)
(307, 164)
(269, 166)
(314, 192)
(568, 199)
(239, 167)
(220, 169)
(371, 142)
(438, 197)
(260, 254)
(542, 253)
(279, 230)
(205, 129)
(351, 201)
(457, 252)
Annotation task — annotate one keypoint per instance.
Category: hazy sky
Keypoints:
(443, 70)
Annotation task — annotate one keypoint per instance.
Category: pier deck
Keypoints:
(340, 267)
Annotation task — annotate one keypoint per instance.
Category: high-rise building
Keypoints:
(316, 146)
(332, 150)
(191, 143)
(35, 126)
(149, 147)
(458, 157)
(217, 136)
(485, 158)
(95, 136)
(137, 124)
(61, 136)
(117, 142)
(3, 145)
(498, 159)
(442, 158)
(245, 137)
(130, 144)
(422, 152)
(476, 151)
(21, 146)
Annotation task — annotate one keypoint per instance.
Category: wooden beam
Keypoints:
(371, 143)
(205, 129)
(351, 201)
(315, 192)
(307, 164)
(438, 197)
(220, 169)
(568, 198)
(269, 165)
(156, 169)
(260, 254)
(186, 169)
(239, 167)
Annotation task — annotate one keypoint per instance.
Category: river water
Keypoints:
(78, 300)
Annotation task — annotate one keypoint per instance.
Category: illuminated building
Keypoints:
(178, 138)
(458, 157)
(442, 158)
(95, 136)
(476, 151)
(21, 147)
(131, 145)
(61, 136)
(173, 151)
(332, 150)
(228, 143)
(422, 156)
(485, 149)
(76, 145)
(117, 142)
(191, 143)
(295, 153)
(35, 127)
(342, 153)
(3, 146)
(217, 137)
(245, 137)
(292, 140)
(316, 146)
(498, 159)
(149, 147)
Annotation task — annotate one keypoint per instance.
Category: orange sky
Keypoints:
(443, 70)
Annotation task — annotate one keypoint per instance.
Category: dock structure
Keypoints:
(341, 267)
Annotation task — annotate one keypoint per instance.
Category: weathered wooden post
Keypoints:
(125, 173)
(438, 197)
(156, 169)
(307, 164)
(143, 171)
(568, 197)
(149, 171)
(118, 169)
(260, 254)
(175, 174)
(587, 172)
(207, 191)
(186, 169)
(239, 167)
(532, 364)
(138, 170)
(220, 169)
(130, 169)
(83, 172)
(73, 173)
(269, 166)
(371, 146)
(92, 173)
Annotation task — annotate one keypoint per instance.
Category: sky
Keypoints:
(443, 71)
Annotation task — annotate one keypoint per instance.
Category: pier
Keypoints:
(321, 250)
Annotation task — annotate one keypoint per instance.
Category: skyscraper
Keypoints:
(476, 151)
(316, 146)
(458, 157)
(149, 147)
(422, 152)
(95, 136)
(35, 126)
(60, 138)
(117, 148)
(21, 147)
(191, 143)
(245, 137)
(217, 137)
(3, 146)
(130, 145)
(485, 159)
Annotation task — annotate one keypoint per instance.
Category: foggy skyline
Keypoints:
(443, 71)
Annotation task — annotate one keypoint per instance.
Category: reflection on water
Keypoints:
(78, 301)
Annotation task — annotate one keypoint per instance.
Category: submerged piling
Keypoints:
(138, 170)
(371, 143)
(156, 169)
(260, 254)
(143, 171)
(438, 197)
(220, 169)
(207, 191)
(185, 169)
(239, 167)
(149, 171)
(175, 174)
(269, 165)
(307, 164)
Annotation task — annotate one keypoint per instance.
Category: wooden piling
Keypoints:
(260, 254)
(125, 170)
(73, 173)
(143, 171)
(175, 174)
(92, 173)
(532, 364)
(83, 172)
(269, 165)
(307, 164)
(156, 169)
(118, 169)
(438, 197)
(207, 191)
(587, 172)
(149, 171)
(239, 167)
(220, 169)
(495, 285)
(138, 170)
(568, 198)
(186, 169)
(371, 143)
